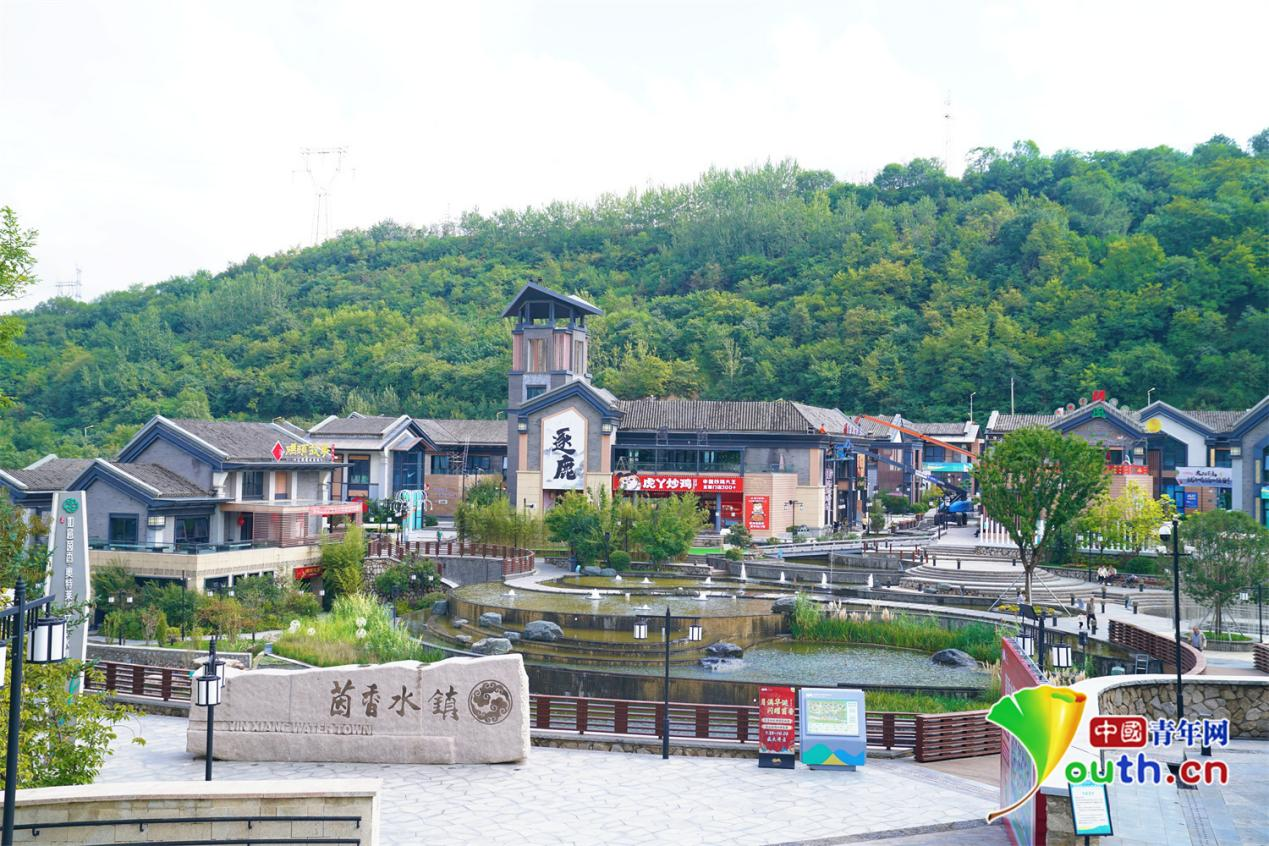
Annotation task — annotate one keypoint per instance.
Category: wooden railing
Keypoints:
(165, 683)
(1260, 656)
(514, 560)
(724, 723)
(962, 734)
(1157, 646)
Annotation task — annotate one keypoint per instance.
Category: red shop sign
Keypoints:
(777, 720)
(758, 512)
(639, 483)
(308, 572)
(1129, 469)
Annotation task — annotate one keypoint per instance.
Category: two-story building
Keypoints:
(200, 501)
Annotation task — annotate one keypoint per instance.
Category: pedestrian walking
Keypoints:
(1197, 639)
(1092, 621)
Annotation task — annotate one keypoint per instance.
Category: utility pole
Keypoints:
(329, 164)
(1011, 411)
(1148, 393)
(971, 405)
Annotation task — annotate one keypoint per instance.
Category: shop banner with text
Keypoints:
(758, 513)
(640, 483)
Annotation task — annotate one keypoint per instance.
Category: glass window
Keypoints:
(579, 357)
(253, 484)
(1225, 498)
(1114, 456)
(1223, 458)
(1173, 454)
(934, 452)
(281, 485)
(532, 391)
(123, 528)
(358, 469)
(193, 530)
(440, 465)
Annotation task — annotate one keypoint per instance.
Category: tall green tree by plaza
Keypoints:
(574, 519)
(1228, 551)
(343, 562)
(21, 551)
(16, 276)
(1129, 521)
(666, 527)
(1035, 482)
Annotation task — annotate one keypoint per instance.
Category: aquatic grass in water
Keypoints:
(357, 631)
(810, 623)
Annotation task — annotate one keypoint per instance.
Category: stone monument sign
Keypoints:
(456, 711)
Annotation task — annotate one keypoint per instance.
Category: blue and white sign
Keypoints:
(946, 466)
(832, 728)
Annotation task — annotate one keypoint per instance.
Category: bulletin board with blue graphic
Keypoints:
(832, 727)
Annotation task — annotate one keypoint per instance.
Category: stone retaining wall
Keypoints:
(153, 656)
(1244, 704)
(100, 803)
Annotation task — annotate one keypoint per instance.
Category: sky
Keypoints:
(146, 140)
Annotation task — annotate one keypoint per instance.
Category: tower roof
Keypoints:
(539, 300)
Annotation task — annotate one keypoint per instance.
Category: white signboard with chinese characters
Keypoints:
(1205, 477)
(68, 554)
(564, 451)
(457, 711)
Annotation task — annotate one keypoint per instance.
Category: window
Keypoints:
(537, 355)
(1225, 498)
(1173, 454)
(1222, 458)
(281, 485)
(531, 391)
(253, 484)
(450, 465)
(123, 528)
(358, 469)
(440, 465)
(579, 357)
(193, 530)
(934, 453)
(1114, 456)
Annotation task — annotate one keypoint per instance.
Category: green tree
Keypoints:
(177, 604)
(343, 562)
(113, 582)
(65, 738)
(575, 520)
(666, 528)
(22, 548)
(1130, 521)
(1034, 483)
(223, 615)
(1228, 553)
(258, 595)
(876, 515)
(16, 264)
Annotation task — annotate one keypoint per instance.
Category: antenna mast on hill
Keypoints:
(947, 131)
(323, 165)
(74, 290)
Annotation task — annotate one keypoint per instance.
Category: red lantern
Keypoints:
(242, 521)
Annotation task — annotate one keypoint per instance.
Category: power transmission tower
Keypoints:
(947, 131)
(323, 166)
(72, 289)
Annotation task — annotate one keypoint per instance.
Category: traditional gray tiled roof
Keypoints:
(356, 424)
(859, 427)
(51, 474)
(721, 416)
(239, 440)
(170, 485)
(937, 429)
(1217, 421)
(459, 432)
(1010, 422)
(833, 421)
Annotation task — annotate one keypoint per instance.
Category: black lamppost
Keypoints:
(793, 503)
(120, 598)
(1176, 608)
(47, 646)
(207, 695)
(694, 633)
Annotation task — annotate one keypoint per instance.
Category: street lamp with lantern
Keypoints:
(120, 598)
(207, 688)
(46, 646)
(695, 632)
(793, 503)
(1175, 532)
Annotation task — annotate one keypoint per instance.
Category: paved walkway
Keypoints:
(561, 796)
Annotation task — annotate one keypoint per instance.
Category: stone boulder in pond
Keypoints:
(954, 658)
(723, 649)
(784, 605)
(511, 636)
(490, 618)
(542, 630)
(492, 646)
(441, 607)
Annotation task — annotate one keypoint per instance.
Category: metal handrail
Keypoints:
(142, 822)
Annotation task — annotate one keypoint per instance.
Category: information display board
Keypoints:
(1090, 808)
(777, 729)
(832, 727)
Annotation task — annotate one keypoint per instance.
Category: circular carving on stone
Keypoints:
(489, 701)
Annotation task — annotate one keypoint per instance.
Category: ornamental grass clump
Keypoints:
(358, 630)
(810, 623)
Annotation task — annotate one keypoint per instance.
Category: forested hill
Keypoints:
(1125, 271)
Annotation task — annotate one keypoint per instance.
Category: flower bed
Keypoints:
(357, 631)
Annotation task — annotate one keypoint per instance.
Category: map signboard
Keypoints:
(833, 727)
